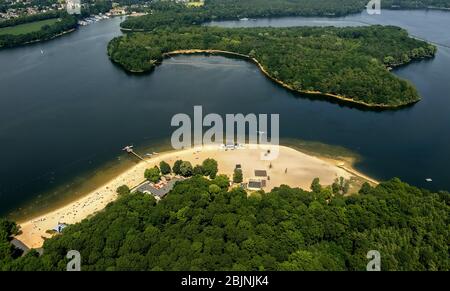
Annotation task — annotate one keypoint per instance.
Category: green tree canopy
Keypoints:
(176, 167)
(210, 168)
(201, 226)
(123, 190)
(153, 174)
(165, 168)
(186, 169)
(238, 176)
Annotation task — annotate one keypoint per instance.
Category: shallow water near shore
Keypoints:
(66, 114)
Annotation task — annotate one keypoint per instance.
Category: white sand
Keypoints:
(301, 170)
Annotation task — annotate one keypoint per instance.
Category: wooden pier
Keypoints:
(129, 149)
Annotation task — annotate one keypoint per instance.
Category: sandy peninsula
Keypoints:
(291, 167)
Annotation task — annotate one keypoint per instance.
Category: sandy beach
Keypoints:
(292, 168)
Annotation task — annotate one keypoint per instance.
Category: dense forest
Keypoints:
(66, 23)
(166, 13)
(415, 4)
(176, 14)
(349, 62)
(201, 226)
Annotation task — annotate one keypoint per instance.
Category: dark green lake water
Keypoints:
(66, 113)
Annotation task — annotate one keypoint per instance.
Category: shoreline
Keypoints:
(34, 230)
(332, 16)
(41, 40)
(80, 186)
(335, 97)
(52, 37)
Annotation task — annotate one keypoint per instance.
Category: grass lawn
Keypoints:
(27, 27)
(196, 3)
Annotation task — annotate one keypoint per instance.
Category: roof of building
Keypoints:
(260, 173)
(147, 187)
(19, 245)
(255, 184)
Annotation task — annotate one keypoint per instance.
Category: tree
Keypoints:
(389, 60)
(301, 261)
(7, 229)
(210, 168)
(165, 168)
(365, 188)
(222, 181)
(186, 169)
(198, 170)
(200, 225)
(123, 190)
(237, 176)
(340, 186)
(303, 63)
(176, 167)
(65, 23)
(315, 185)
(214, 189)
(153, 174)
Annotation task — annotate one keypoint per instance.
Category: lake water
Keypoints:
(67, 113)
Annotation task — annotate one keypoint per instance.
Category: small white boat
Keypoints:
(429, 180)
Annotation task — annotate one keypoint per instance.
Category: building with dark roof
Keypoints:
(148, 188)
(255, 185)
(260, 173)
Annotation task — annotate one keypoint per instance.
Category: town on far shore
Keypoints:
(11, 9)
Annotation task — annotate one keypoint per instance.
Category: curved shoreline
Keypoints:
(283, 84)
(52, 37)
(437, 8)
(40, 40)
(303, 168)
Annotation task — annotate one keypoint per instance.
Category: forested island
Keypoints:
(346, 63)
(202, 225)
